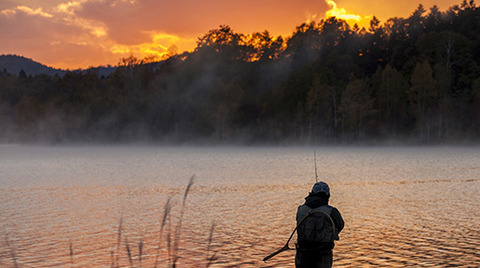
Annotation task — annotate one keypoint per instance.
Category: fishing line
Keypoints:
(315, 159)
(286, 246)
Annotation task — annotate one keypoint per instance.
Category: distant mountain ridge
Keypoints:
(13, 64)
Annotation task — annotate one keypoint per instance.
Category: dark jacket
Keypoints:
(317, 200)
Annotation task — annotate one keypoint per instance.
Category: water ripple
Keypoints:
(402, 207)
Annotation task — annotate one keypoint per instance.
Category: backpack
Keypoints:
(315, 226)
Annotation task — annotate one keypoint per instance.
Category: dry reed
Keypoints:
(140, 251)
(166, 212)
(115, 256)
(71, 252)
(12, 252)
(210, 258)
(129, 252)
(175, 255)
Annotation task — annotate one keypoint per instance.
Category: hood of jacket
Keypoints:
(315, 200)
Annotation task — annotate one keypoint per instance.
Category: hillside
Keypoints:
(13, 64)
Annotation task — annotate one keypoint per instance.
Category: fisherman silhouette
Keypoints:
(318, 226)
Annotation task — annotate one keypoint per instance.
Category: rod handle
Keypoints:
(276, 252)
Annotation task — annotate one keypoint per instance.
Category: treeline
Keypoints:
(414, 79)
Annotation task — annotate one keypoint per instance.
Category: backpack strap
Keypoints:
(326, 210)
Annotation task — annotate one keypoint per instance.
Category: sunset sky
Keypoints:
(84, 33)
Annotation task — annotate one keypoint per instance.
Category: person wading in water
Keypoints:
(318, 226)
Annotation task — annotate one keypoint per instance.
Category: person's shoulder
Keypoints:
(303, 206)
(335, 211)
(333, 208)
(329, 207)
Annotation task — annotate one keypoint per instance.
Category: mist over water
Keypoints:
(414, 206)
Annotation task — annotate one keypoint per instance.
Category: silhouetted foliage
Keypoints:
(407, 79)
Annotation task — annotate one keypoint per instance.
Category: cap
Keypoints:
(321, 187)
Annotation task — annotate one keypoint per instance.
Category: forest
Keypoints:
(407, 80)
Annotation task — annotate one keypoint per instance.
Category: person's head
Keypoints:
(321, 188)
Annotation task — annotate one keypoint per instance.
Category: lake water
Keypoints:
(67, 206)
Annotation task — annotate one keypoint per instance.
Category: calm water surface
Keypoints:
(403, 207)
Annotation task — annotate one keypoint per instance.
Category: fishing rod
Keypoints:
(315, 159)
(286, 247)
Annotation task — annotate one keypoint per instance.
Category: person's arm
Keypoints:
(338, 220)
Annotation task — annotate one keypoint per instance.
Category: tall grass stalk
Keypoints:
(116, 255)
(129, 252)
(166, 213)
(140, 251)
(71, 253)
(212, 257)
(12, 252)
(175, 255)
(112, 258)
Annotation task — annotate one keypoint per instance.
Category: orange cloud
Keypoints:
(160, 45)
(37, 11)
(26, 10)
(61, 38)
(342, 13)
(53, 37)
(83, 33)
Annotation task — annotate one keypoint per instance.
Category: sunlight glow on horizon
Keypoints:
(342, 13)
(158, 50)
(73, 34)
(162, 45)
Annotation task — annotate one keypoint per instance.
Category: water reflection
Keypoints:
(402, 207)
